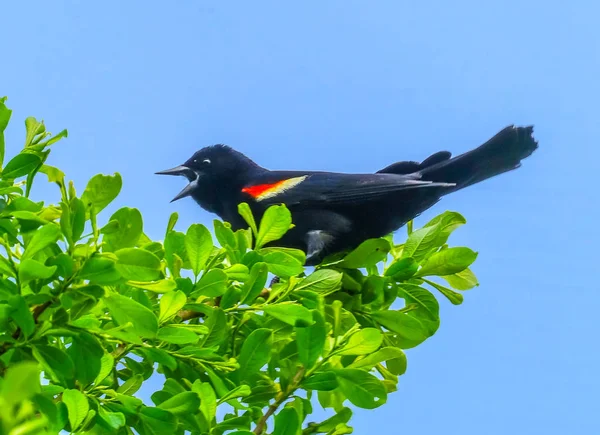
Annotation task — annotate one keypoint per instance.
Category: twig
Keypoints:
(282, 397)
(189, 314)
(38, 310)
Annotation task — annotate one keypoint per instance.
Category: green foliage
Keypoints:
(91, 308)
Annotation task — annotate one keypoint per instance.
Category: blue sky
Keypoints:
(352, 86)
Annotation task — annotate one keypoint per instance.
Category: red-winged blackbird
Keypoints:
(333, 212)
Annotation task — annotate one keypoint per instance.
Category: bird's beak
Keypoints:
(188, 173)
(177, 170)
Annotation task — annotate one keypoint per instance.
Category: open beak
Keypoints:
(186, 172)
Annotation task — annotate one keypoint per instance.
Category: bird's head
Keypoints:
(211, 169)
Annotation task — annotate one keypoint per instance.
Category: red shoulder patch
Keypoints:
(269, 190)
(259, 189)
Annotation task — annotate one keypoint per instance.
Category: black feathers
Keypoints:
(333, 211)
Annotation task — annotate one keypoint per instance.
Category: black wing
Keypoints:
(316, 188)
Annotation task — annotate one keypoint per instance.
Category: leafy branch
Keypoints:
(97, 307)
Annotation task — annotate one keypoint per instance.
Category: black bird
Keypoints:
(333, 212)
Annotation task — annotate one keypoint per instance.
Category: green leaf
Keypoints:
(241, 391)
(21, 382)
(172, 221)
(246, 213)
(129, 229)
(170, 304)
(125, 310)
(447, 262)
(126, 334)
(65, 267)
(225, 235)
(175, 254)
(256, 352)
(87, 354)
(198, 329)
(33, 128)
(29, 181)
(77, 215)
(342, 417)
(231, 297)
(161, 357)
(208, 399)
(31, 427)
(101, 190)
(5, 114)
(186, 402)
(383, 354)
(323, 381)
(287, 422)
(426, 302)
(31, 269)
(77, 406)
(199, 246)
(463, 280)
(363, 342)
(157, 421)
(138, 264)
(311, 340)
(324, 281)
(55, 363)
(361, 388)
(283, 264)
(421, 242)
(298, 254)
(54, 174)
(42, 237)
(55, 413)
(161, 286)
(212, 284)
(256, 283)
(276, 221)
(368, 253)
(237, 272)
(410, 331)
(290, 313)
(100, 269)
(107, 362)
(21, 315)
(402, 269)
(6, 268)
(397, 366)
(173, 334)
(131, 385)
(113, 420)
(243, 238)
(61, 134)
(447, 223)
(20, 165)
(454, 297)
(216, 323)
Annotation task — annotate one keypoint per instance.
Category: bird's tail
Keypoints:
(502, 153)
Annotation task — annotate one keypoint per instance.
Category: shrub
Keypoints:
(91, 308)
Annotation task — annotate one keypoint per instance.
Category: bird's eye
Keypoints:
(206, 161)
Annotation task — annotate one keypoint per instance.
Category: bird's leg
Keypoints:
(316, 241)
